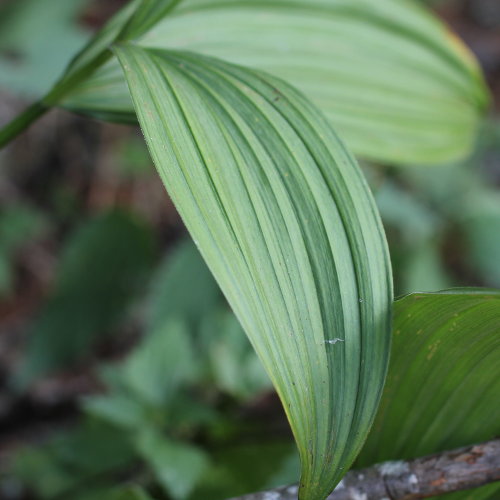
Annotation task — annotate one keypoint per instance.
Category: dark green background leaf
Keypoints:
(443, 382)
(104, 264)
(19, 224)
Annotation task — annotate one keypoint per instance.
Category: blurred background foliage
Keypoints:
(121, 365)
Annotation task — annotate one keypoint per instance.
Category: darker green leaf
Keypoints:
(443, 381)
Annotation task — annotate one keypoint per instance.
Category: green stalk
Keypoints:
(131, 29)
(67, 83)
(21, 122)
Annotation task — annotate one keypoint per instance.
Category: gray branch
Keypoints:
(433, 475)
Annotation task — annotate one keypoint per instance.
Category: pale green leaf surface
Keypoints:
(394, 82)
(283, 217)
(443, 382)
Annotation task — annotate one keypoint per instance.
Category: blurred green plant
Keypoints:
(431, 329)
(441, 221)
(75, 462)
(164, 387)
(102, 266)
(19, 224)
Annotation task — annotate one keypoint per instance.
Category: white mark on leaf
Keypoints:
(333, 341)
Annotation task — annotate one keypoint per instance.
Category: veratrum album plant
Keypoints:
(240, 103)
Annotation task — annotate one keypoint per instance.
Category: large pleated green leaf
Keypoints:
(283, 217)
(394, 82)
(444, 378)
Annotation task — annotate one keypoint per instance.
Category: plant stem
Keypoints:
(21, 122)
(73, 77)
(63, 87)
